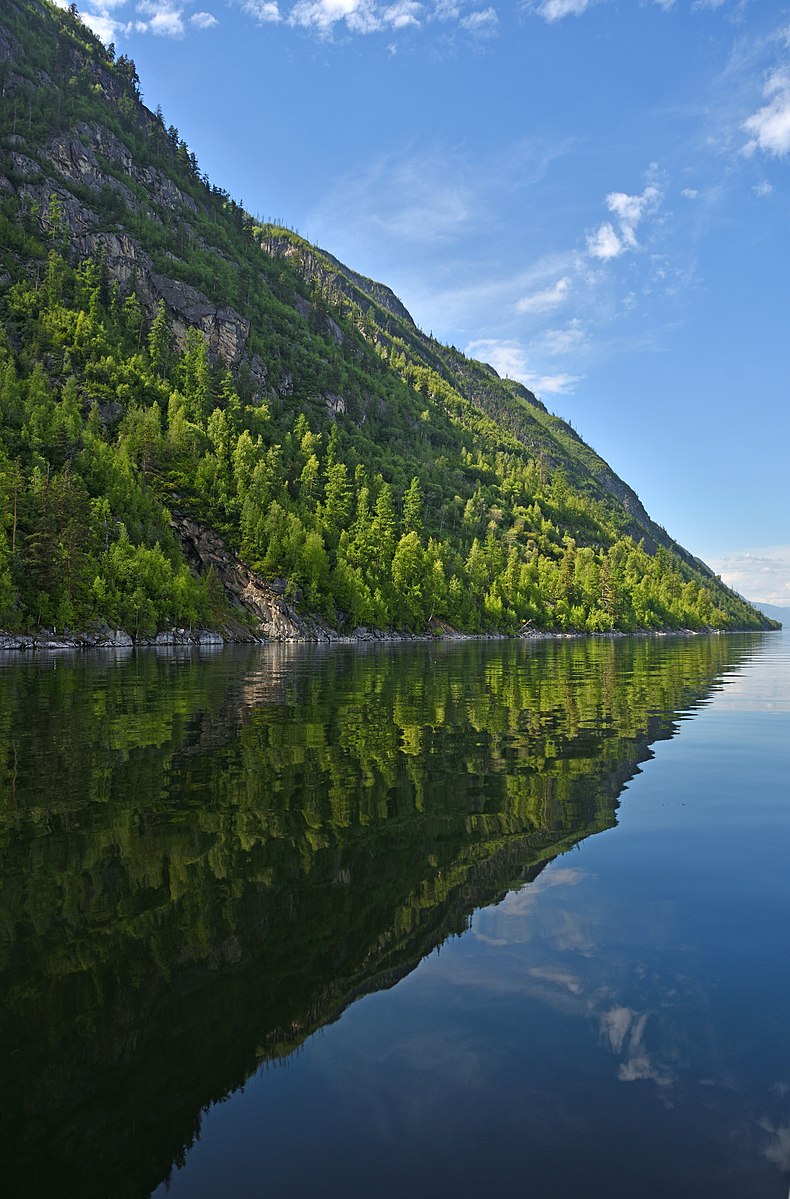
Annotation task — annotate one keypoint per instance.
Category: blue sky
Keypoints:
(591, 195)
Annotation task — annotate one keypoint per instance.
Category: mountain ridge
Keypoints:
(162, 347)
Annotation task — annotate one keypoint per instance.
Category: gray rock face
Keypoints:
(226, 330)
(336, 276)
(75, 160)
(79, 158)
(335, 405)
(9, 641)
(276, 618)
(115, 639)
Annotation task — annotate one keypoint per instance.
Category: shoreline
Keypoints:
(118, 639)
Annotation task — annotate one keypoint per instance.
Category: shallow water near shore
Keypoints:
(444, 919)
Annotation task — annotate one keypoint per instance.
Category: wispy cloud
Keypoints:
(422, 198)
(558, 342)
(484, 21)
(430, 195)
(203, 20)
(548, 298)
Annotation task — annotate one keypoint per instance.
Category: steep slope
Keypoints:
(164, 352)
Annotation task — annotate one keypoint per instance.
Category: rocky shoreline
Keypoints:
(46, 639)
(118, 639)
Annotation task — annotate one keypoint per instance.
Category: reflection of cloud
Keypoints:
(518, 902)
(615, 1024)
(562, 978)
(777, 1150)
(570, 932)
(521, 917)
(624, 1029)
(640, 1068)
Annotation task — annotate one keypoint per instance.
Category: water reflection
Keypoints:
(207, 857)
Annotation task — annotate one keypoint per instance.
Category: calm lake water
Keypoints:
(431, 920)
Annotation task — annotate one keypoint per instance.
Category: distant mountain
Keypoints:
(774, 612)
(201, 412)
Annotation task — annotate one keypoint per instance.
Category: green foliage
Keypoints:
(388, 479)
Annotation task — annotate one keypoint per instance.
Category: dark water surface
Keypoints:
(357, 892)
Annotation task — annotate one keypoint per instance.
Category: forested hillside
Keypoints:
(162, 351)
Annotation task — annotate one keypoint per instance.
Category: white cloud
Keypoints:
(604, 243)
(402, 15)
(763, 188)
(484, 21)
(360, 16)
(561, 384)
(761, 573)
(509, 359)
(203, 20)
(323, 15)
(103, 25)
(264, 11)
(629, 211)
(555, 10)
(690, 193)
(373, 16)
(164, 18)
(545, 300)
(769, 127)
(167, 22)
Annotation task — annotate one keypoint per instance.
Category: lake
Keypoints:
(460, 919)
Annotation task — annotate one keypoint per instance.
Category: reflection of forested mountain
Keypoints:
(206, 859)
